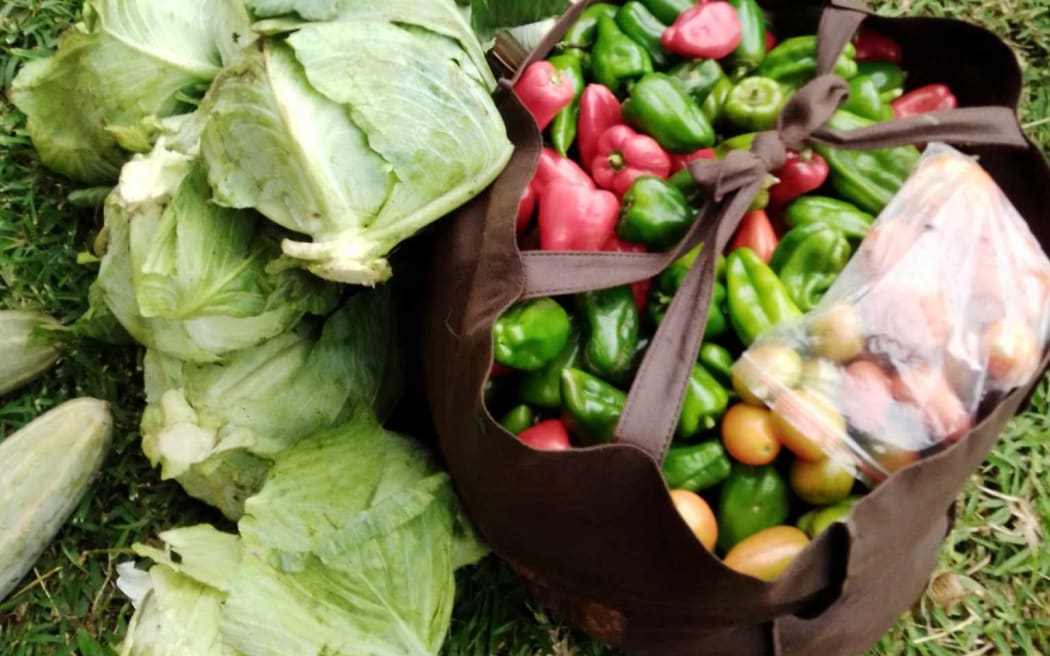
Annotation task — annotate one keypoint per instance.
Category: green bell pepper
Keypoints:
(696, 467)
(684, 182)
(704, 404)
(752, 49)
(518, 419)
(584, 31)
(718, 360)
(794, 62)
(888, 77)
(542, 388)
(668, 282)
(864, 100)
(752, 499)
(660, 107)
(846, 218)
(610, 329)
(739, 142)
(592, 406)
(637, 22)
(808, 260)
(757, 298)
(563, 127)
(713, 106)
(667, 10)
(866, 178)
(530, 334)
(698, 77)
(654, 213)
(616, 57)
(755, 103)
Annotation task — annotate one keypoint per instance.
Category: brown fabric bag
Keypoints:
(594, 529)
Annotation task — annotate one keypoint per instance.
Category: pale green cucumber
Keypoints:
(45, 468)
(22, 358)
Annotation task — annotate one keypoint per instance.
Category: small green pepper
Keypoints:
(718, 360)
(888, 77)
(698, 77)
(704, 403)
(668, 282)
(616, 58)
(563, 127)
(864, 100)
(584, 31)
(667, 10)
(825, 517)
(757, 298)
(752, 49)
(637, 22)
(752, 499)
(518, 419)
(610, 329)
(808, 260)
(542, 388)
(739, 142)
(660, 107)
(683, 180)
(696, 467)
(794, 62)
(530, 334)
(654, 213)
(713, 106)
(592, 406)
(755, 103)
(846, 218)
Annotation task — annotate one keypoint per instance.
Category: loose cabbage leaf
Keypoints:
(308, 9)
(488, 17)
(126, 64)
(203, 553)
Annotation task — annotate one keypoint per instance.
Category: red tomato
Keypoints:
(944, 413)
(866, 395)
(756, 232)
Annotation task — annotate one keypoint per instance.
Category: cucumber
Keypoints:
(46, 468)
(21, 358)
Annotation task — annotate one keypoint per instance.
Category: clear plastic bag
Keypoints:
(942, 309)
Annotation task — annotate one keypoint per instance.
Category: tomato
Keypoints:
(764, 371)
(866, 395)
(1012, 351)
(837, 333)
(697, 515)
(749, 436)
(945, 415)
(821, 483)
(891, 457)
(821, 376)
(807, 424)
(766, 554)
(885, 245)
(906, 322)
(756, 232)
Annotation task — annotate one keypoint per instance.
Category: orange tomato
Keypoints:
(807, 423)
(756, 232)
(837, 333)
(821, 483)
(1012, 352)
(749, 436)
(697, 515)
(766, 554)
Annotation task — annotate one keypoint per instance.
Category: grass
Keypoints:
(987, 597)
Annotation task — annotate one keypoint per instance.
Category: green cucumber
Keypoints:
(47, 467)
(22, 358)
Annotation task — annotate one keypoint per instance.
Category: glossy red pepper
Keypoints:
(576, 218)
(711, 30)
(800, 175)
(526, 206)
(599, 111)
(872, 46)
(756, 232)
(552, 167)
(544, 91)
(930, 98)
(624, 155)
(641, 288)
(679, 161)
(550, 435)
(771, 40)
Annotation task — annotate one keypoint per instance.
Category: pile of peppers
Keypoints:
(632, 94)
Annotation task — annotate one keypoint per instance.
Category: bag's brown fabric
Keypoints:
(594, 529)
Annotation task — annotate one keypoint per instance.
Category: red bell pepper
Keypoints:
(544, 91)
(711, 30)
(800, 175)
(771, 40)
(599, 111)
(624, 155)
(756, 233)
(641, 288)
(499, 370)
(552, 167)
(526, 206)
(679, 161)
(872, 46)
(576, 218)
(930, 98)
(550, 435)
